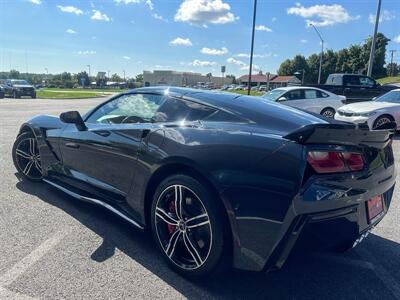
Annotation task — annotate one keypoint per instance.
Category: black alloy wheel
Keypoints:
(26, 157)
(186, 227)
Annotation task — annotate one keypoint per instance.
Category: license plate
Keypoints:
(375, 208)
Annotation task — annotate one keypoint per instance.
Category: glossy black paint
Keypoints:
(256, 165)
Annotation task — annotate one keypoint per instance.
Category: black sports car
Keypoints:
(219, 179)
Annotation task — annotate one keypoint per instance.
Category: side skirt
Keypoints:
(95, 201)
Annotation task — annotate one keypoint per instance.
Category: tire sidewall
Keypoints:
(328, 109)
(20, 138)
(215, 261)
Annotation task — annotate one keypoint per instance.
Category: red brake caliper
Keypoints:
(171, 228)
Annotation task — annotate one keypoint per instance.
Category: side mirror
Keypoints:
(373, 99)
(282, 99)
(73, 117)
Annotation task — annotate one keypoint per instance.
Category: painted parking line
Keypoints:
(22, 266)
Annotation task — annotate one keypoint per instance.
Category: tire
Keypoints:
(26, 157)
(15, 95)
(192, 248)
(34, 96)
(328, 112)
(382, 120)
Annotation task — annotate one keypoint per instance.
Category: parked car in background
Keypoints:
(17, 88)
(2, 90)
(308, 98)
(355, 87)
(382, 110)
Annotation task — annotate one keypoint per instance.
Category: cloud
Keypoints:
(303, 41)
(126, 57)
(87, 52)
(159, 17)
(385, 16)
(202, 63)
(243, 66)
(269, 54)
(162, 67)
(324, 15)
(70, 31)
(37, 2)
(98, 16)
(149, 3)
(396, 39)
(70, 9)
(203, 12)
(211, 51)
(263, 28)
(181, 42)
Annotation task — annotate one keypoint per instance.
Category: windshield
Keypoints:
(392, 96)
(274, 94)
(19, 82)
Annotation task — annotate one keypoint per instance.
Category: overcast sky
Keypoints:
(189, 35)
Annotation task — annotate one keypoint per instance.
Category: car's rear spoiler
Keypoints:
(342, 134)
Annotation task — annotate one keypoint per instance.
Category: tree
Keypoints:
(286, 68)
(14, 74)
(83, 75)
(116, 78)
(233, 77)
(139, 78)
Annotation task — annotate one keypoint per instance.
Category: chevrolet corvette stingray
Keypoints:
(220, 180)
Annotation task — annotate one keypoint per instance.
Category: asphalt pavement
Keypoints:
(54, 247)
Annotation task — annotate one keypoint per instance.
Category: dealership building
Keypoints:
(174, 78)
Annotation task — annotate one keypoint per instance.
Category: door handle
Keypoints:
(72, 145)
(102, 132)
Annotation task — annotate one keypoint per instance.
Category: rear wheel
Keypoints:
(188, 226)
(328, 112)
(381, 121)
(26, 157)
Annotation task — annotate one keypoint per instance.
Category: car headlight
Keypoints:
(367, 114)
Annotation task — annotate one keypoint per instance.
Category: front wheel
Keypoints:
(328, 112)
(26, 157)
(16, 95)
(188, 226)
(382, 120)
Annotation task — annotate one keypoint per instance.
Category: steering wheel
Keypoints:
(132, 119)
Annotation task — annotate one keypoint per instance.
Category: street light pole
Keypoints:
(252, 46)
(124, 74)
(373, 45)
(89, 70)
(322, 52)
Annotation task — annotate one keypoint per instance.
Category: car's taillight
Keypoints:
(334, 161)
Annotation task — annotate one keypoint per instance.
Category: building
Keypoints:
(256, 79)
(280, 81)
(188, 79)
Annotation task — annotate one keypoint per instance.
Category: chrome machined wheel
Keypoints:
(328, 113)
(183, 227)
(28, 158)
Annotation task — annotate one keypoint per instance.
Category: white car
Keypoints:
(308, 98)
(377, 112)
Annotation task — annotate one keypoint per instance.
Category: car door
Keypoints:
(294, 98)
(104, 156)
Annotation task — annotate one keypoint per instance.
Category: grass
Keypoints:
(386, 80)
(61, 94)
(252, 93)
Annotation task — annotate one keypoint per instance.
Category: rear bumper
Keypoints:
(334, 205)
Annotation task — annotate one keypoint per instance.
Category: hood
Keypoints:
(23, 86)
(367, 106)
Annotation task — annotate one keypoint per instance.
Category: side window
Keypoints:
(322, 94)
(131, 108)
(174, 110)
(366, 81)
(352, 80)
(310, 94)
(295, 95)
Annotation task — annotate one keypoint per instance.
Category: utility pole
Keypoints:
(391, 61)
(252, 46)
(322, 52)
(124, 74)
(89, 70)
(373, 45)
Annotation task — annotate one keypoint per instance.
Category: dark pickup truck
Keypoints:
(355, 87)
